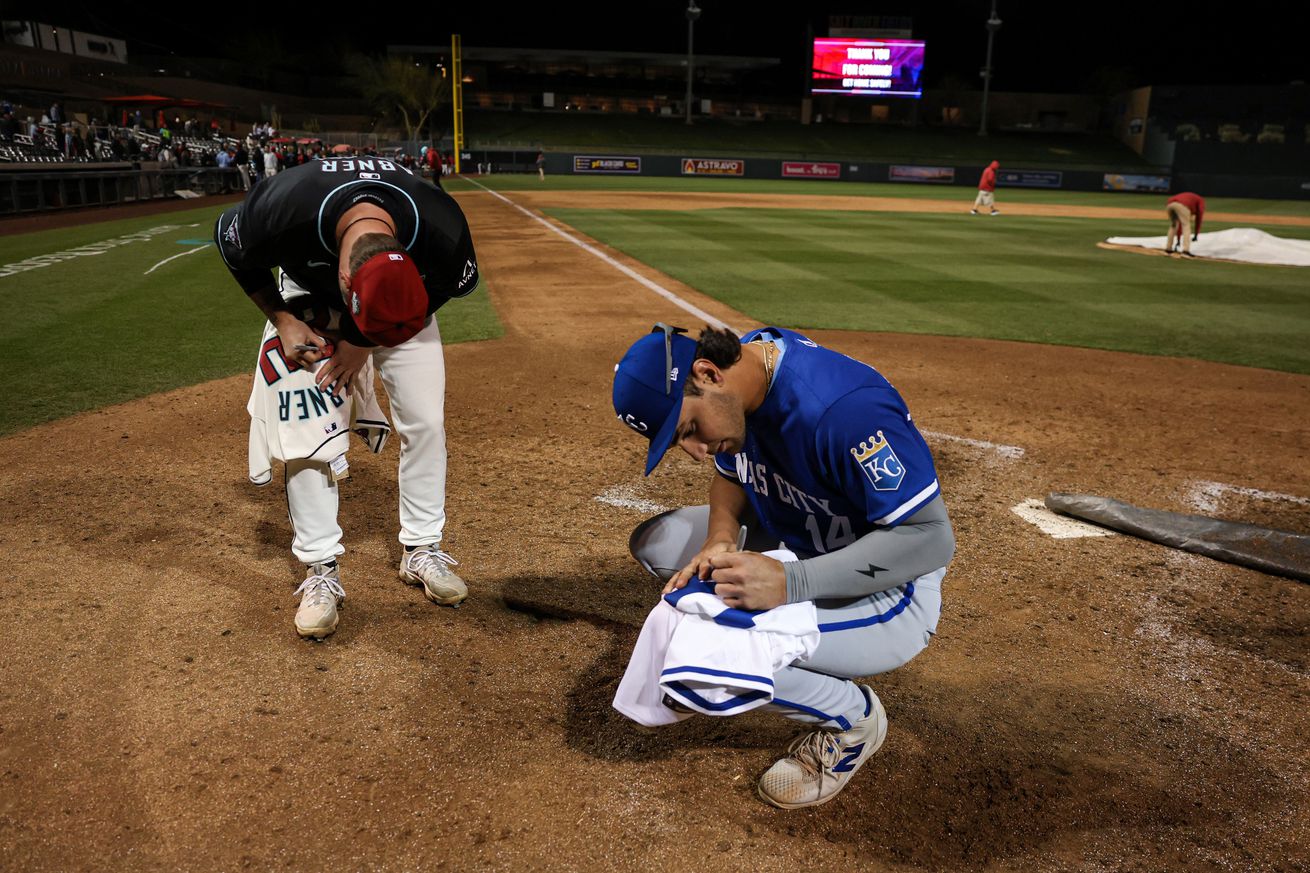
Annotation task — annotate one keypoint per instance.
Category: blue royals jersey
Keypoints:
(831, 454)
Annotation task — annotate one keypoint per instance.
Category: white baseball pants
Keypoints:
(860, 636)
(414, 376)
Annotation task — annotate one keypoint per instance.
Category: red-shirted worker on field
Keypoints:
(987, 190)
(1185, 213)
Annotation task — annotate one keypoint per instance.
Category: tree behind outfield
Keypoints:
(399, 84)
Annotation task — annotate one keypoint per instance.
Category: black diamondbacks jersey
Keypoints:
(290, 220)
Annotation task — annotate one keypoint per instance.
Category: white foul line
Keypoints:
(1004, 451)
(1012, 452)
(627, 271)
(175, 257)
(625, 497)
(1205, 495)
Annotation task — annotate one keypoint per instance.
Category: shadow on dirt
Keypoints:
(973, 773)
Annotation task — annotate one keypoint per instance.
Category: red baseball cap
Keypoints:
(387, 298)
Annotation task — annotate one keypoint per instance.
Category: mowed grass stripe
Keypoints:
(1018, 278)
(961, 195)
(94, 330)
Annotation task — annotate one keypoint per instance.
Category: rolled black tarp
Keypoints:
(1279, 552)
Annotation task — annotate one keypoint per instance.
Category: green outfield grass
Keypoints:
(1017, 278)
(92, 331)
(963, 194)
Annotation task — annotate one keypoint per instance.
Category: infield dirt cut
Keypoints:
(1089, 704)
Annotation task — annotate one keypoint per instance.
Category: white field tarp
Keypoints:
(1244, 244)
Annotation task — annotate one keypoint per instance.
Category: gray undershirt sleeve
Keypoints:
(881, 559)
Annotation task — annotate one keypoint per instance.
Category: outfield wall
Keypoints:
(50, 187)
(924, 174)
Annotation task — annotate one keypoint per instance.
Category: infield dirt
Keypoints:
(1089, 704)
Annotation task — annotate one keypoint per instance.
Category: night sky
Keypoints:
(1041, 46)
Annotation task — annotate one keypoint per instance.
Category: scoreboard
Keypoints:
(869, 67)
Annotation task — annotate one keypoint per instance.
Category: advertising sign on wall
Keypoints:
(713, 167)
(810, 170)
(1029, 178)
(907, 173)
(1128, 182)
(606, 164)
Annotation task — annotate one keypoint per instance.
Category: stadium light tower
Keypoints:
(693, 12)
(993, 25)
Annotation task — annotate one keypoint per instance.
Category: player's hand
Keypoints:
(699, 567)
(749, 580)
(338, 373)
(295, 333)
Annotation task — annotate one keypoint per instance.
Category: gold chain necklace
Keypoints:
(769, 350)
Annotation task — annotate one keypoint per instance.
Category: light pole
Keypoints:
(993, 25)
(693, 12)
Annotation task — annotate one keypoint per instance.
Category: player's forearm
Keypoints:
(877, 561)
(727, 505)
(261, 288)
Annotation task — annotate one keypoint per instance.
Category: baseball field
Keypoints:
(1091, 701)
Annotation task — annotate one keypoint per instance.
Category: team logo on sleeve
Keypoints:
(879, 463)
(233, 235)
(470, 273)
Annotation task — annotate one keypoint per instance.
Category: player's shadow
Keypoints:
(620, 604)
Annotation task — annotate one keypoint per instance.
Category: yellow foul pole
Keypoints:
(457, 93)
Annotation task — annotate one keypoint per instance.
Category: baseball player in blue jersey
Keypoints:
(814, 452)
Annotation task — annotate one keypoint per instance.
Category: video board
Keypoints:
(868, 67)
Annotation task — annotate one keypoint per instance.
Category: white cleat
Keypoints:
(430, 567)
(321, 595)
(820, 763)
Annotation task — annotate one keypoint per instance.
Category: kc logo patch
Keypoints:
(879, 463)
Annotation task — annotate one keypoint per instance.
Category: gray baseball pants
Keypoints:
(861, 636)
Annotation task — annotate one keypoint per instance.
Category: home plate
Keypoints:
(1058, 526)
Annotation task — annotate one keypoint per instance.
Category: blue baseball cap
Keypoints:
(648, 386)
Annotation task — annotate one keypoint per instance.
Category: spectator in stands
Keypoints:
(32, 129)
(56, 113)
(8, 126)
(165, 135)
(270, 164)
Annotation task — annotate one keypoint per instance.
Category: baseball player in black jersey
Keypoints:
(350, 258)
